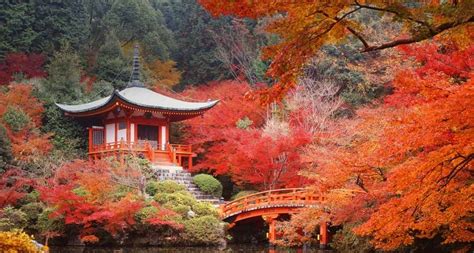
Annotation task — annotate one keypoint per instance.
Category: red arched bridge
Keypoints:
(270, 204)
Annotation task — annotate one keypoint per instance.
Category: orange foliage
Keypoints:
(19, 95)
(27, 144)
(405, 168)
(165, 74)
(306, 26)
(87, 194)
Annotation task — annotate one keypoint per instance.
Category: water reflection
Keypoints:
(231, 248)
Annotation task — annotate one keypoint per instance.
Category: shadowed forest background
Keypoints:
(369, 103)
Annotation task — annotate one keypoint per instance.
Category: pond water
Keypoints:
(230, 249)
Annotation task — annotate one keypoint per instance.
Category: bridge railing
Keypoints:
(291, 197)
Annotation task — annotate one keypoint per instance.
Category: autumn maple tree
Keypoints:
(208, 133)
(404, 168)
(236, 139)
(307, 26)
(87, 195)
(21, 114)
(29, 66)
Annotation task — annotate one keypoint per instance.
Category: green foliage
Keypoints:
(80, 191)
(346, 241)
(244, 123)
(16, 118)
(5, 149)
(12, 218)
(68, 136)
(47, 224)
(32, 210)
(355, 89)
(242, 194)
(132, 20)
(111, 64)
(208, 184)
(165, 186)
(205, 230)
(41, 26)
(182, 202)
(59, 22)
(176, 198)
(205, 208)
(63, 84)
(145, 213)
(16, 29)
(195, 51)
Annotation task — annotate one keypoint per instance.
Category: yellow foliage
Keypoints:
(164, 73)
(18, 242)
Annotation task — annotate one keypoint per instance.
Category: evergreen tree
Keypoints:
(63, 84)
(111, 64)
(5, 149)
(195, 51)
(16, 27)
(58, 22)
(41, 26)
(137, 21)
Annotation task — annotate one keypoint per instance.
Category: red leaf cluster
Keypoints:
(83, 193)
(15, 63)
(250, 156)
(13, 186)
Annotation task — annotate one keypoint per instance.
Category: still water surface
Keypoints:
(229, 249)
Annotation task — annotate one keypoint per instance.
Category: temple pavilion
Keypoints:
(136, 120)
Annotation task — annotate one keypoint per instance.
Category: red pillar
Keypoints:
(323, 235)
(190, 162)
(90, 129)
(271, 221)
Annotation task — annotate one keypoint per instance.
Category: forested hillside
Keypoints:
(366, 102)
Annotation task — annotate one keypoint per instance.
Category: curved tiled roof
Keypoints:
(142, 97)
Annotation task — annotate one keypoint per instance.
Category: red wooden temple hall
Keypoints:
(136, 120)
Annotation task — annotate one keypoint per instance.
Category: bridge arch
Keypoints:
(270, 204)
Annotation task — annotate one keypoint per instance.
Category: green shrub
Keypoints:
(176, 198)
(204, 209)
(242, 194)
(16, 118)
(12, 218)
(5, 149)
(165, 186)
(47, 223)
(205, 230)
(182, 202)
(180, 209)
(208, 184)
(145, 213)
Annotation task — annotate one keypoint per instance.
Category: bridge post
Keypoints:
(271, 221)
(323, 235)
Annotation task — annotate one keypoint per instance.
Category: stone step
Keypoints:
(176, 173)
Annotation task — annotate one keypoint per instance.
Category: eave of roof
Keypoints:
(140, 97)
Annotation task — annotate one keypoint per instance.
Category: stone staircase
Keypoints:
(179, 175)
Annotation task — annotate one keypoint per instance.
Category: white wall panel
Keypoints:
(110, 133)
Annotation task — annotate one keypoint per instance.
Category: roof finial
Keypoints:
(135, 77)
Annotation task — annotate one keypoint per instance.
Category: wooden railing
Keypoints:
(176, 152)
(172, 153)
(182, 148)
(122, 145)
(292, 197)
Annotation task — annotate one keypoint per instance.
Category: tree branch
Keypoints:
(433, 31)
(400, 15)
